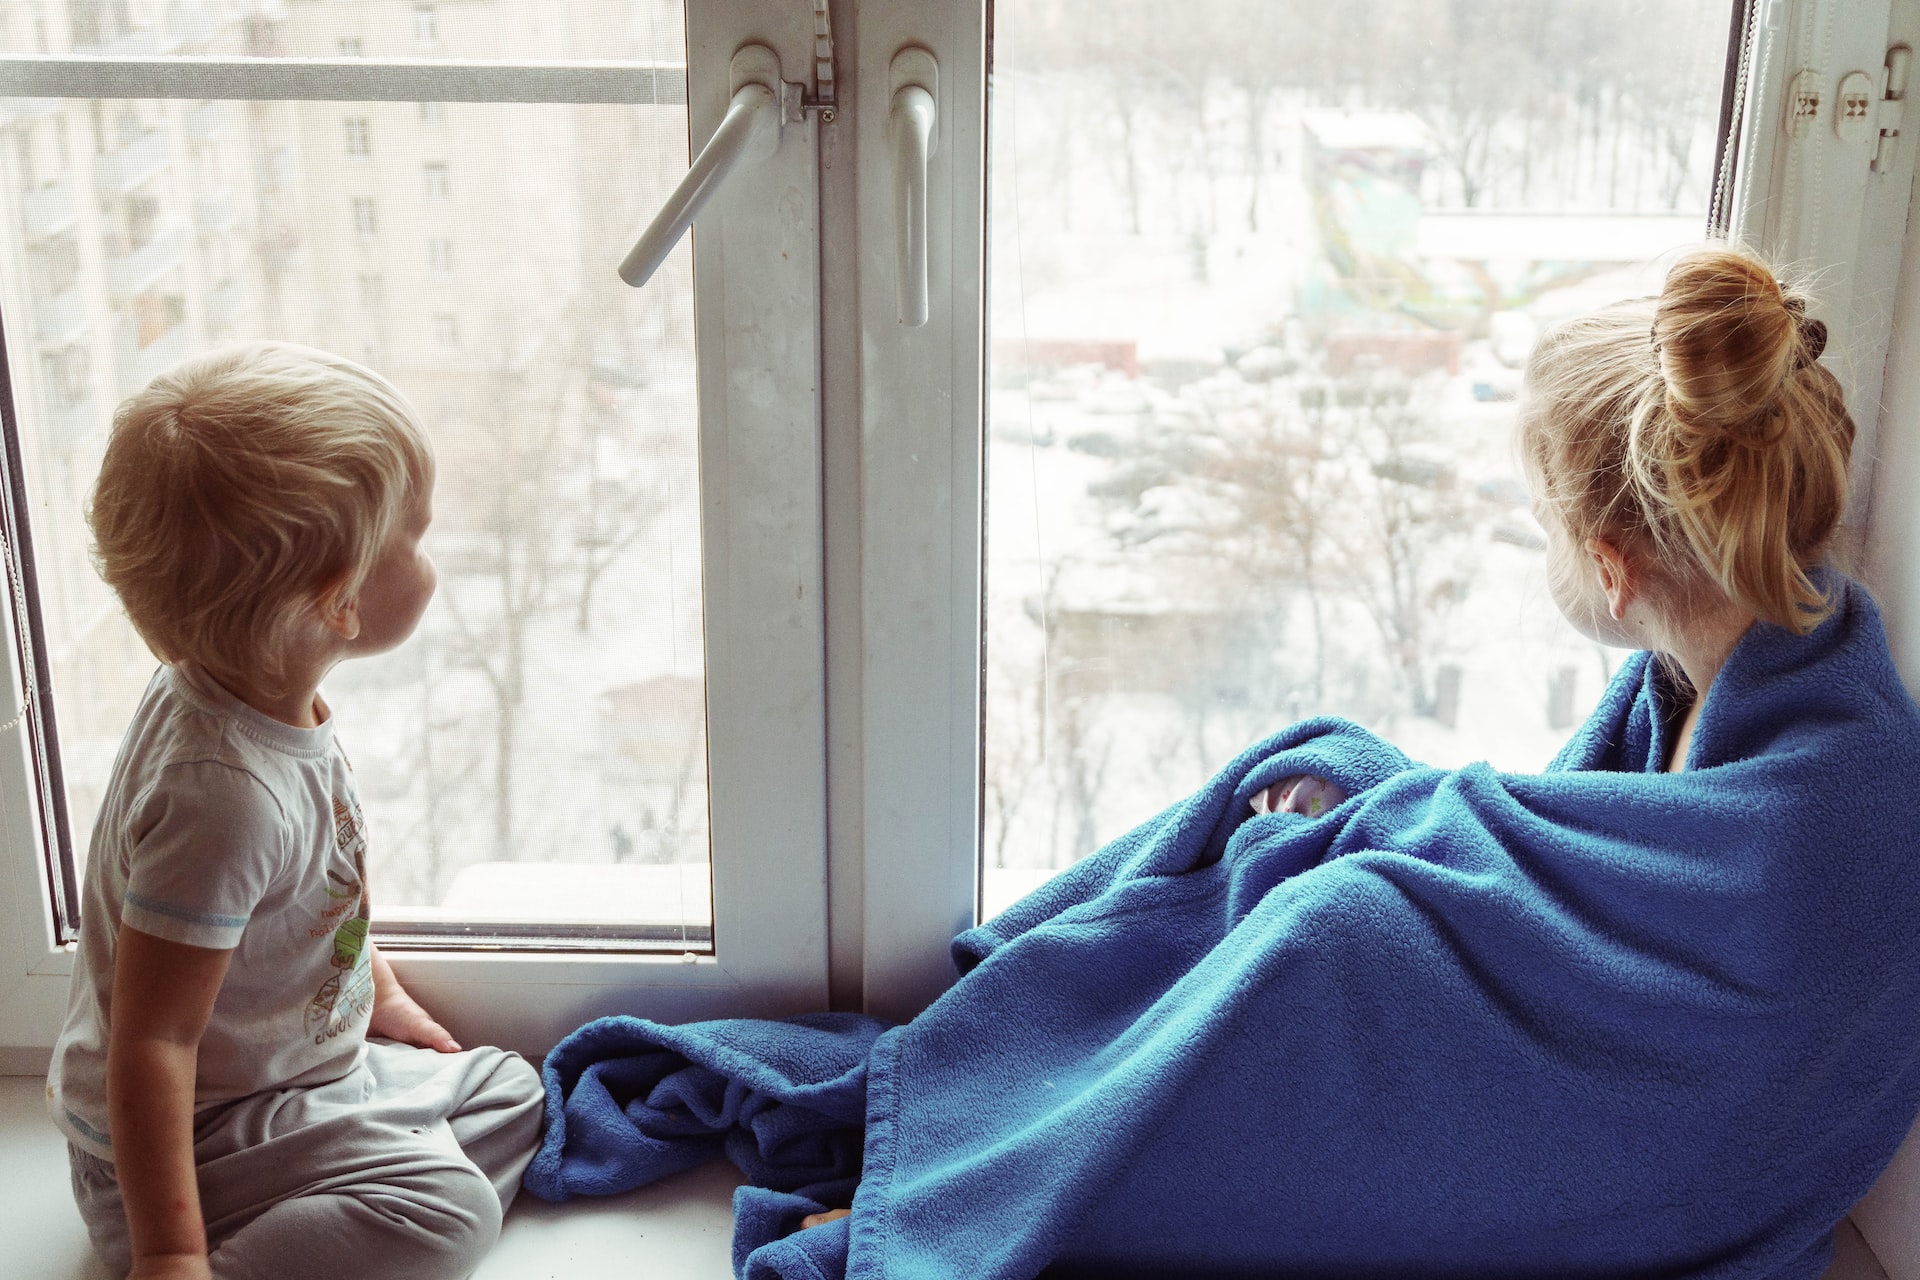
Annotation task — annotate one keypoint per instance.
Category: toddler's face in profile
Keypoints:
(396, 592)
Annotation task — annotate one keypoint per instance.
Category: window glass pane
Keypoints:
(650, 31)
(550, 710)
(1264, 276)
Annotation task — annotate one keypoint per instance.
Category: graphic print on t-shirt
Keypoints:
(348, 994)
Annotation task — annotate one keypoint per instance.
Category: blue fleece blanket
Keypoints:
(1604, 1020)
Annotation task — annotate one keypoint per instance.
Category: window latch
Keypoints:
(750, 131)
(1892, 113)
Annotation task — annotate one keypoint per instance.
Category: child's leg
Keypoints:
(97, 1193)
(498, 1125)
(400, 1171)
(410, 1182)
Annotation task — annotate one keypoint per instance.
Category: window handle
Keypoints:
(750, 131)
(911, 123)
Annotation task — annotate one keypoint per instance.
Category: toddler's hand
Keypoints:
(1302, 793)
(171, 1266)
(398, 1016)
(822, 1219)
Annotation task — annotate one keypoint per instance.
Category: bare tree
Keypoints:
(1403, 558)
(510, 477)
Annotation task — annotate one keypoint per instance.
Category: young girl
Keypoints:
(1688, 456)
(1654, 1011)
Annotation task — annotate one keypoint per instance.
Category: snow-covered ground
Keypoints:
(1213, 329)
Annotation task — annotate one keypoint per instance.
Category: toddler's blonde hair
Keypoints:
(240, 485)
(1698, 430)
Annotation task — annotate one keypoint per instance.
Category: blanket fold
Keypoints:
(631, 1101)
(1600, 1021)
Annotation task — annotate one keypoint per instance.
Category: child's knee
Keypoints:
(452, 1219)
(522, 1076)
(459, 1220)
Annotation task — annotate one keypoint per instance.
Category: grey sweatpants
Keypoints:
(401, 1169)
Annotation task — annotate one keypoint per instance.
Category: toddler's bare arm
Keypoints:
(163, 994)
(398, 1016)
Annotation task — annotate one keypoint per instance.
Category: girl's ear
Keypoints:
(1617, 579)
(338, 611)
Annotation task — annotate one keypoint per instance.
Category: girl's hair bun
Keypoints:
(1729, 338)
(1712, 441)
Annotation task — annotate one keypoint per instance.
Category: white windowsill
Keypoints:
(680, 1229)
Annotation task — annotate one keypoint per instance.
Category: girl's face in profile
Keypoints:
(1573, 578)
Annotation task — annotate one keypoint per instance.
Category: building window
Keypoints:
(440, 259)
(371, 290)
(445, 331)
(155, 315)
(426, 26)
(23, 160)
(438, 185)
(358, 141)
(349, 47)
(364, 220)
(66, 374)
(433, 113)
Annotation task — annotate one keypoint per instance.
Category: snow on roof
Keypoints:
(1367, 130)
(1475, 236)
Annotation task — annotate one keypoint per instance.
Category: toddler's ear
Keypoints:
(340, 611)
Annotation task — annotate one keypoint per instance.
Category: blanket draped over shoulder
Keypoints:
(1600, 1021)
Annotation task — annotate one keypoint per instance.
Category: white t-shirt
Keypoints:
(224, 828)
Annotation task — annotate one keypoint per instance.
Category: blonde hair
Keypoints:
(1699, 430)
(239, 485)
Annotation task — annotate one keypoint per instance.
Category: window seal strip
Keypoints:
(30, 641)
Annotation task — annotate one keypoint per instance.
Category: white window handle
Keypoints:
(911, 122)
(749, 131)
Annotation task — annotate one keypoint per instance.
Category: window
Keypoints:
(66, 375)
(1332, 276)
(555, 781)
(973, 543)
(426, 26)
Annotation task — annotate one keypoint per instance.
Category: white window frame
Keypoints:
(757, 319)
(1814, 204)
(877, 604)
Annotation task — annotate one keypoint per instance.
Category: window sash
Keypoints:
(756, 275)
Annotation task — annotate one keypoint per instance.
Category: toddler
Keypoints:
(246, 1089)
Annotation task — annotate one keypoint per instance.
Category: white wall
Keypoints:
(1893, 551)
